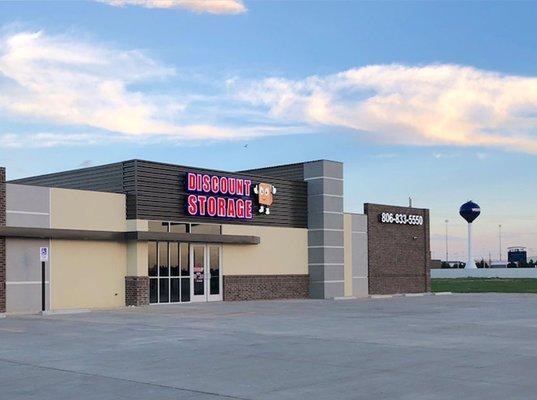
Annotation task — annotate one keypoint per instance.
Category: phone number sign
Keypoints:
(401, 219)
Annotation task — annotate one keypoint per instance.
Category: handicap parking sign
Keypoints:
(43, 253)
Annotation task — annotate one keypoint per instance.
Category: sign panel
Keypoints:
(265, 196)
(43, 254)
(401, 219)
(218, 196)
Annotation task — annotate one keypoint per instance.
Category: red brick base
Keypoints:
(265, 287)
(398, 284)
(136, 290)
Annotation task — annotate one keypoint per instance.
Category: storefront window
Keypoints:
(157, 226)
(163, 259)
(214, 265)
(169, 272)
(185, 262)
(152, 264)
(174, 259)
(184, 227)
(184, 249)
(179, 227)
(209, 229)
(174, 292)
(164, 290)
(185, 289)
(153, 290)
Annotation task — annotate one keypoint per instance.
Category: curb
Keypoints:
(389, 296)
(64, 312)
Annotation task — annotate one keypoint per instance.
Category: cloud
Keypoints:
(47, 139)
(74, 83)
(199, 6)
(411, 105)
(76, 86)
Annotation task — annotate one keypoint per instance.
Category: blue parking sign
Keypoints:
(43, 253)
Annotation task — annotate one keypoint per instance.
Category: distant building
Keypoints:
(517, 255)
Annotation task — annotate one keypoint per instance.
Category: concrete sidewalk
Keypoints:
(430, 347)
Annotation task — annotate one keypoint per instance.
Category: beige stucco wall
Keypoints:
(282, 251)
(137, 256)
(137, 225)
(83, 209)
(87, 274)
(347, 242)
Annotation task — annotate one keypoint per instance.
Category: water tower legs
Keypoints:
(470, 263)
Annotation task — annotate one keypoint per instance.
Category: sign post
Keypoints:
(43, 256)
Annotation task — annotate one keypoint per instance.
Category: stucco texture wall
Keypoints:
(347, 241)
(282, 251)
(87, 274)
(86, 210)
(355, 240)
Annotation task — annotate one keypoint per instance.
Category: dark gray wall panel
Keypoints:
(157, 191)
(290, 171)
(161, 194)
(104, 178)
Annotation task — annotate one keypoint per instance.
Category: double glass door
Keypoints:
(206, 272)
(182, 272)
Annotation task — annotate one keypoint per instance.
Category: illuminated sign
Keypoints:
(265, 196)
(218, 196)
(401, 219)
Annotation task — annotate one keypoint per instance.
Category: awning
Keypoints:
(77, 234)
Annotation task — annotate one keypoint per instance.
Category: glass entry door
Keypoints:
(206, 272)
(182, 272)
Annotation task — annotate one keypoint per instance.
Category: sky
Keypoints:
(433, 100)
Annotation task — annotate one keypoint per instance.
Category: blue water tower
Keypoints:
(470, 211)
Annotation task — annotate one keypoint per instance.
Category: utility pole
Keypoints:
(447, 254)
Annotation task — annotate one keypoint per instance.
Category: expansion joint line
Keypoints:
(217, 395)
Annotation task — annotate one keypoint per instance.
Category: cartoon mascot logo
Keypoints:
(265, 196)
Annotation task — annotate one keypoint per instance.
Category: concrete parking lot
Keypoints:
(431, 347)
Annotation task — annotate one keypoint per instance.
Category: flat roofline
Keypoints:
(394, 205)
(63, 171)
(134, 160)
(218, 171)
(295, 163)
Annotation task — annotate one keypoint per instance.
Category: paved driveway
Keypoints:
(432, 347)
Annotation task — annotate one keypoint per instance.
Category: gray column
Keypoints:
(360, 287)
(325, 228)
(26, 206)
